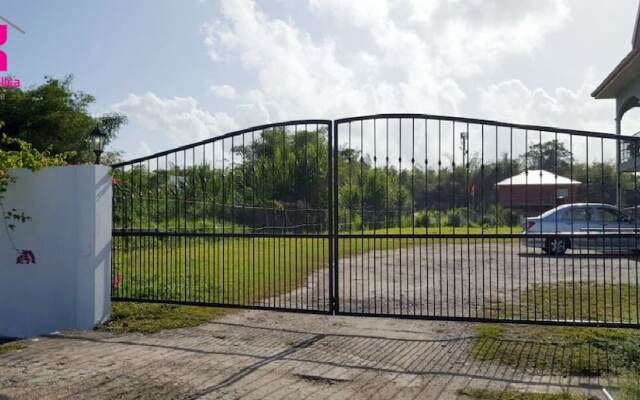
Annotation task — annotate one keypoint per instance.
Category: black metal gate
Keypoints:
(401, 215)
(240, 220)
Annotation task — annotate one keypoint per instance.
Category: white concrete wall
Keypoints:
(70, 236)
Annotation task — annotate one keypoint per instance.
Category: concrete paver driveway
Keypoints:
(257, 354)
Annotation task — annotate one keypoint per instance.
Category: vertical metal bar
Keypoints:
(386, 212)
(526, 205)
(400, 205)
(375, 213)
(573, 266)
(454, 214)
(331, 186)
(589, 317)
(426, 212)
(467, 190)
(439, 190)
(413, 207)
(223, 264)
(336, 185)
(482, 199)
(510, 221)
(497, 223)
(350, 222)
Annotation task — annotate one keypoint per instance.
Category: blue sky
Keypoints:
(186, 70)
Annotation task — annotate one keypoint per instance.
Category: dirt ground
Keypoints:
(265, 354)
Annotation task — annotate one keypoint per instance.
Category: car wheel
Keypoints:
(556, 246)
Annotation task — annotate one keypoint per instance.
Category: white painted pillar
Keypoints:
(69, 234)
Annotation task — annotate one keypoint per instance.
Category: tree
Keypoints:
(53, 117)
(551, 156)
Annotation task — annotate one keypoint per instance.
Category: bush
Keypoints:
(406, 221)
(435, 218)
(456, 218)
(356, 222)
(510, 218)
(422, 219)
(498, 215)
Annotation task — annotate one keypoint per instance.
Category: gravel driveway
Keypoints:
(486, 280)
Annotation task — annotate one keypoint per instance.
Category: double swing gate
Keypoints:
(399, 215)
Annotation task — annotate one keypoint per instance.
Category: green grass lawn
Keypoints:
(584, 301)
(559, 350)
(11, 346)
(233, 271)
(573, 301)
(569, 350)
(581, 351)
(564, 351)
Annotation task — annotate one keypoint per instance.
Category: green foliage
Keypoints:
(497, 215)
(54, 118)
(279, 178)
(20, 155)
(422, 219)
(457, 217)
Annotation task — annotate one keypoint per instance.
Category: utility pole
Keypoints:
(464, 138)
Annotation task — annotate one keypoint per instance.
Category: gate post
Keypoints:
(60, 275)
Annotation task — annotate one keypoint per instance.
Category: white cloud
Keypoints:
(457, 38)
(166, 122)
(514, 101)
(417, 54)
(224, 91)
(360, 13)
(375, 56)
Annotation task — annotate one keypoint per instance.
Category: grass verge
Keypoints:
(152, 318)
(629, 386)
(559, 350)
(563, 350)
(11, 346)
(582, 301)
(487, 394)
